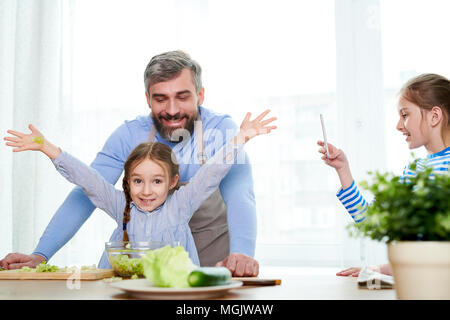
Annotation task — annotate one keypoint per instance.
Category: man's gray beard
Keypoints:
(176, 135)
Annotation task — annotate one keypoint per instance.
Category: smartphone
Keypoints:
(325, 143)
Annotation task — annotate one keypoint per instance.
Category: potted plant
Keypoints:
(413, 218)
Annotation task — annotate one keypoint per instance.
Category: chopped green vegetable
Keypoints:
(26, 269)
(39, 140)
(168, 267)
(76, 269)
(44, 267)
(126, 266)
(88, 268)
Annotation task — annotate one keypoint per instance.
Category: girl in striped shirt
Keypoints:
(424, 119)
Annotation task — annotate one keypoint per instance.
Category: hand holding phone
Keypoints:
(324, 135)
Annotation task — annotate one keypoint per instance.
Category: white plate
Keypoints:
(141, 288)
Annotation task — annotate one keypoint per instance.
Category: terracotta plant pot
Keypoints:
(421, 269)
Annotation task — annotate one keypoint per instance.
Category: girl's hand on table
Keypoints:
(354, 272)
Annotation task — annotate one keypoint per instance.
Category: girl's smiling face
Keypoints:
(412, 123)
(150, 184)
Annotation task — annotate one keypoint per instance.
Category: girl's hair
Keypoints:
(155, 151)
(427, 91)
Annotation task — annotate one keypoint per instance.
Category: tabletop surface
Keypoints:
(297, 284)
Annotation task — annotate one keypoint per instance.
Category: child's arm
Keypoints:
(209, 176)
(349, 194)
(339, 162)
(102, 194)
(34, 141)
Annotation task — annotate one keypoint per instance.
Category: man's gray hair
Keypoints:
(168, 65)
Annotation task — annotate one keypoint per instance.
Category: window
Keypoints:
(413, 42)
(254, 55)
(345, 59)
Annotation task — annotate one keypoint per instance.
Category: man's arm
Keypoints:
(237, 192)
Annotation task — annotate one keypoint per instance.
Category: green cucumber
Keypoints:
(209, 276)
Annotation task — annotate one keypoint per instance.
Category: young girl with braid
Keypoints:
(424, 120)
(151, 206)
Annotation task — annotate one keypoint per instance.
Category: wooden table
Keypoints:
(297, 284)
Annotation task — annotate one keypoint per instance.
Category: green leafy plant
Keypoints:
(417, 209)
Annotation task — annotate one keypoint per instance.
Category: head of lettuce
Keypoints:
(168, 267)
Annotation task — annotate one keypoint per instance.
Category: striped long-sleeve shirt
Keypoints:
(354, 202)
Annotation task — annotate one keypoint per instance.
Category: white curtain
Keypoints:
(360, 105)
(35, 54)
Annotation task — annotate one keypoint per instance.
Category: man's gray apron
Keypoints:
(208, 225)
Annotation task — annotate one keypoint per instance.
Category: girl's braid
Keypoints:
(126, 211)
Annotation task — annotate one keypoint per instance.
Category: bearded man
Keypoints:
(224, 227)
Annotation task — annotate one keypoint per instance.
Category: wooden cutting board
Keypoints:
(82, 275)
(254, 281)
